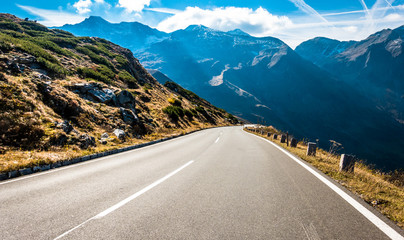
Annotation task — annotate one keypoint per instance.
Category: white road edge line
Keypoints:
(127, 200)
(386, 229)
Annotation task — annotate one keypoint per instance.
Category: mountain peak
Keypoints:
(198, 28)
(95, 19)
(239, 32)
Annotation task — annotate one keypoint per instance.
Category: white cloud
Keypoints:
(351, 29)
(53, 18)
(258, 21)
(83, 6)
(133, 5)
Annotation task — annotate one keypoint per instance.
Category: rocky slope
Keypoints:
(60, 93)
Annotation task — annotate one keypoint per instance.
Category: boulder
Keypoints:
(125, 99)
(65, 126)
(86, 141)
(60, 140)
(104, 135)
(129, 116)
(119, 133)
(94, 91)
(103, 95)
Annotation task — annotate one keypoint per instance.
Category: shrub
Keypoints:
(128, 79)
(29, 25)
(94, 57)
(104, 70)
(54, 69)
(189, 114)
(10, 26)
(174, 112)
(175, 102)
(62, 33)
(122, 62)
(90, 73)
(65, 42)
(53, 47)
(4, 46)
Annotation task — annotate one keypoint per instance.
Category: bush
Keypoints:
(29, 25)
(90, 73)
(53, 69)
(122, 62)
(128, 79)
(189, 114)
(175, 102)
(10, 26)
(104, 70)
(4, 46)
(94, 57)
(65, 42)
(174, 112)
(53, 47)
(35, 50)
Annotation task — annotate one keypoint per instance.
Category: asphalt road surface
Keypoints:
(219, 183)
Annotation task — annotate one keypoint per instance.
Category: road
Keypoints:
(219, 183)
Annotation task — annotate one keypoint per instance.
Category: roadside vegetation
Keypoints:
(384, 191)
(63, 97)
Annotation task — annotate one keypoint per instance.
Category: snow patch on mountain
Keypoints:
(218, 80)
(241, 92)
(205, 60)
(394, 47)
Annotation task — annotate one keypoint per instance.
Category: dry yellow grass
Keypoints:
(369, 184)
(18, 159)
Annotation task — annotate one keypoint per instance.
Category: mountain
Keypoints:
(373, 66)
(263, 79)
(159, 76)
(320, 49)
(132, 35)
(63, 96)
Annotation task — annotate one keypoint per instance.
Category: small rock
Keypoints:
(119, 133)
(129, 116)
(104, 135)
(86, 141)
(66, 126)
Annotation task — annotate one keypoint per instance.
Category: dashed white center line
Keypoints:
(127, 200)
(217, 140)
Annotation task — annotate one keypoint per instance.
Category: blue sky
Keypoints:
(293, 21)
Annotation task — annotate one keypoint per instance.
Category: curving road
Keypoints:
(219, 183)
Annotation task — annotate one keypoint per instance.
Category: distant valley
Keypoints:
(349, 92)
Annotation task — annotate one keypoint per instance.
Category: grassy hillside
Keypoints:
(63, 96)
